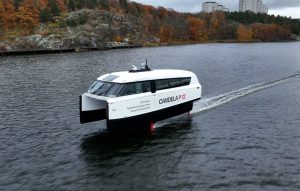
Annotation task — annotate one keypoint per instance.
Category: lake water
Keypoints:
(244, 134)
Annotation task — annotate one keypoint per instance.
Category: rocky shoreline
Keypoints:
(83, 30)
(90, 30)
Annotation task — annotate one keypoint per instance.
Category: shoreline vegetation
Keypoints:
(53, 26)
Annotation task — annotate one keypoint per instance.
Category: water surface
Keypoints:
(244, 134)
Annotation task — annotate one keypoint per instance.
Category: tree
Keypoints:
(123, 4)
(80, 4)
(104, 4)
(71, 5)
(91, 4)
(165, 34)
(54, 9)
(17, 3)
(197, 29)
(270, 32)
(7, 14)
(2, 14)
(28, 14)
(244, 33)
(43, 4)
(45, 16)
(61, 5)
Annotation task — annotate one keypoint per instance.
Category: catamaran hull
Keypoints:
(145, 121)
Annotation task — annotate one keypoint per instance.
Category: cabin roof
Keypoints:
(127, 77)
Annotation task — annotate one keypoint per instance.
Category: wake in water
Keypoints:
(213, 102)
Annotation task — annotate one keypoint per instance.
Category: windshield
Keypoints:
(101, 88)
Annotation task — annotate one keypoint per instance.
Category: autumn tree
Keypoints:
(162, 12)
(165, 33)
(28, 14)
(270, 32)
(61, 5)
(217, 19)
(197, 29)
(244, 33)
(43, 4)
(7, 14)
(2, 13)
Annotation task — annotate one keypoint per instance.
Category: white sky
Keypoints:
(289, 8)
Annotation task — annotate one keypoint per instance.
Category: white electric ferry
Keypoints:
(139, 97)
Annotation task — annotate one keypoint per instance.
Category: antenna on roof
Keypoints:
(144, 68)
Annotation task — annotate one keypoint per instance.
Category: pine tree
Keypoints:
(45, 16)
(71, 5)
(91, 4)
(124, 4)
(80, 4)
(104, 4)
(54, 8)
(17, 3)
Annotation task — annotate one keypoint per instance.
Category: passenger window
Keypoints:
(146, 86)
(162, 84)
(172, 83)
(128, 89)
(135, 88)
(138, 88)
(175, 83)
(185, 81)
(113, 91)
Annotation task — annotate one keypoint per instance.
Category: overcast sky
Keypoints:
(289, 8)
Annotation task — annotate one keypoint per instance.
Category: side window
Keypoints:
(135, 88)
(113, 91)
(146, 87)
(172, 83)
(175, 83)
(138, 88)
(162, 84)
(185, 81)
(128, 89)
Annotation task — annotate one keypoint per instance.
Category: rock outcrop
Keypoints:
(81, 29)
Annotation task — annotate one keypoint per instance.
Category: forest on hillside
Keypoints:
(21, 17)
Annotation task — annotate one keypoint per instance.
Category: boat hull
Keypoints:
(144, 122)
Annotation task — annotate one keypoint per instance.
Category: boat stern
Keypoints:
(92, 109)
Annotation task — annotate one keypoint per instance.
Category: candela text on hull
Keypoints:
(139, 97)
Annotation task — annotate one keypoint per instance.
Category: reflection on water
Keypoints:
(107, 145)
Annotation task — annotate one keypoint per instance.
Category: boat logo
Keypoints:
(172, 99)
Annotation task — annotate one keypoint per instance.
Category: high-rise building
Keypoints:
(256, 6)
(211, 6)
